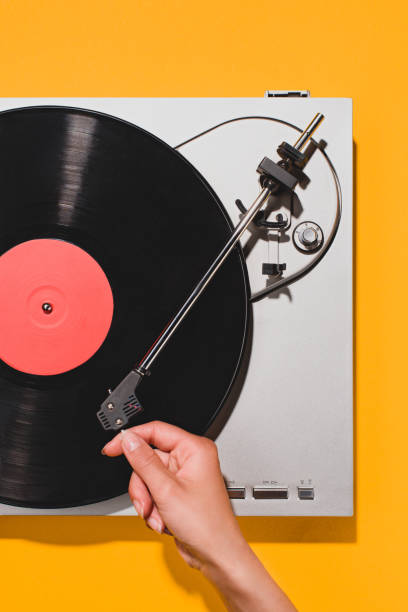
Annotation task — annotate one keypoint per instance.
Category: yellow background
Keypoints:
(233, 48)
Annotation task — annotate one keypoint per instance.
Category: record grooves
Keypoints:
(151, 225)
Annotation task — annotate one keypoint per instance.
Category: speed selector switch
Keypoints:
(308, 236)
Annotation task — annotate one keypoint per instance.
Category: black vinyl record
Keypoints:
(153, 225)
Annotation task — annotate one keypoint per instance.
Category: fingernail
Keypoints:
(155, 525)
(129, 440)
(139, 508)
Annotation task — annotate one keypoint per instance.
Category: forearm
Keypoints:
(244, 583)
(184, 488)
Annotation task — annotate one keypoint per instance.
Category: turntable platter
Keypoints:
(109, 229)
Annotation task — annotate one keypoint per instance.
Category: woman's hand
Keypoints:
(178, 488)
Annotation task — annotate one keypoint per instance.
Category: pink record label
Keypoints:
(56, 306)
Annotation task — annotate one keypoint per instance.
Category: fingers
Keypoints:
(144, 505)
(162, 435)
(146, 464)
(155, 521)
(114, 447)
(140, 496)
(164, 457)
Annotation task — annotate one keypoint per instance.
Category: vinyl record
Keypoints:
(104, 231)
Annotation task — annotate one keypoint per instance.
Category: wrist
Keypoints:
(244, 583)
(227, 565)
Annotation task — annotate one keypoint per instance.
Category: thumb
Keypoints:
(145, 462)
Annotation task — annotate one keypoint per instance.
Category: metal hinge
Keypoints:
(298, 93)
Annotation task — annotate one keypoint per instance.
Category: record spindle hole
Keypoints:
(47, 308)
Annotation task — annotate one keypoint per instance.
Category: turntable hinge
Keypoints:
(296, 93)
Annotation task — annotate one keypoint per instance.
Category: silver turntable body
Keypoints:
(286, 439)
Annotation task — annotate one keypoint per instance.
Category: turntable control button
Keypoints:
(270, 492)
(236, 492)
(306, 493)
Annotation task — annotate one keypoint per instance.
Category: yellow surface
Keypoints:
(233, 48)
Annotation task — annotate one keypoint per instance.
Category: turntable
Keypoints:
(188, 260)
